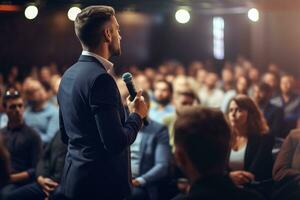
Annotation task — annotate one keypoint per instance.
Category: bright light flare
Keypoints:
(253, 14)
(31, 12)
(73, 12)
(182, 16)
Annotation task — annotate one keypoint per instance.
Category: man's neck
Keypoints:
(101, 51)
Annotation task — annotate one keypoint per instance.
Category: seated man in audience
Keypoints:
(22, 142)
(183, 96)
(272, 80)
(150, 159)
(163, 92)
(289, 101)
(210, 95)
(274, 115)
(48, 173)
(41, 114)
(286, 170)
(202, 143)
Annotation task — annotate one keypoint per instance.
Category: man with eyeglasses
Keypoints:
(22, 142)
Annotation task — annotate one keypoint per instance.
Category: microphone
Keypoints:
(127, 78)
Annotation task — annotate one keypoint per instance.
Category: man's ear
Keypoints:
(107, 34)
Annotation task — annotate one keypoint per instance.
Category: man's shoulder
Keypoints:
(85, 70)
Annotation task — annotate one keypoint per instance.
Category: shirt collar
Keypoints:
(106, 63)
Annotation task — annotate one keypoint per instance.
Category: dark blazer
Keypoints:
(52, 162)
(275, 118)
(92, 120)
(216, 188)
(155, 156)
(258, 157)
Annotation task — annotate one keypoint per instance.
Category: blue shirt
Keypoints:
(158, 115)
(45, 121)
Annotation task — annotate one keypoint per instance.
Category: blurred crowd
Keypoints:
(262, 108)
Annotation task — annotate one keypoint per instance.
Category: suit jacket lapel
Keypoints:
(252, 147)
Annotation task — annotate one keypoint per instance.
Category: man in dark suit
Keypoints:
(202, 143)
(92, 117)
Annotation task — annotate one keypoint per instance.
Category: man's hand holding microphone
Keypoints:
(135, 102)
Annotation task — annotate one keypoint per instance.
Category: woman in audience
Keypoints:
(251, 149)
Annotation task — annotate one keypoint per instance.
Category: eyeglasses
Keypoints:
(11, 94)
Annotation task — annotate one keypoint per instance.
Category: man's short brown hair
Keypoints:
(90, 22)
(204, 134)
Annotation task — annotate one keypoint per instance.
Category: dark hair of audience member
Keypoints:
(11, 93)
(264, 87)
(170, 86)
(205, 136)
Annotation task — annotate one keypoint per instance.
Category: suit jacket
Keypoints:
(258, 157)
(155, 156)
(275, 118)
(92, 120)
(287, 165)
(216, 188)
(52, 162)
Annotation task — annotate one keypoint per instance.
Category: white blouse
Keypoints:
(236, 160)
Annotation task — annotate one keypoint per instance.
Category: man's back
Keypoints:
(90, 170)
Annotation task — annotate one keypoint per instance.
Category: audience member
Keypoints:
(289, 101)
(286, 171)
(163, 92)
(241, 87)
(22, 142)
(150, 159)
(40, 113)
(48, 173)
(271, 79)
(274, 115)
(210, 95)
(202, 141)
(227, 83)
(250, 158)
(183, 96)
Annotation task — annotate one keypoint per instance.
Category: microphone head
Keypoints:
(127, 77)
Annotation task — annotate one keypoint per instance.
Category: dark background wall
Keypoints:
(148, 39)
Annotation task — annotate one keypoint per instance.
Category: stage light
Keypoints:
(182, 16)
(31, 12)
(253, 14)
(73, 12)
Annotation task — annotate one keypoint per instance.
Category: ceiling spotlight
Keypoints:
(182, 16)
(73, 12)
(31, 12)
(253, 14)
